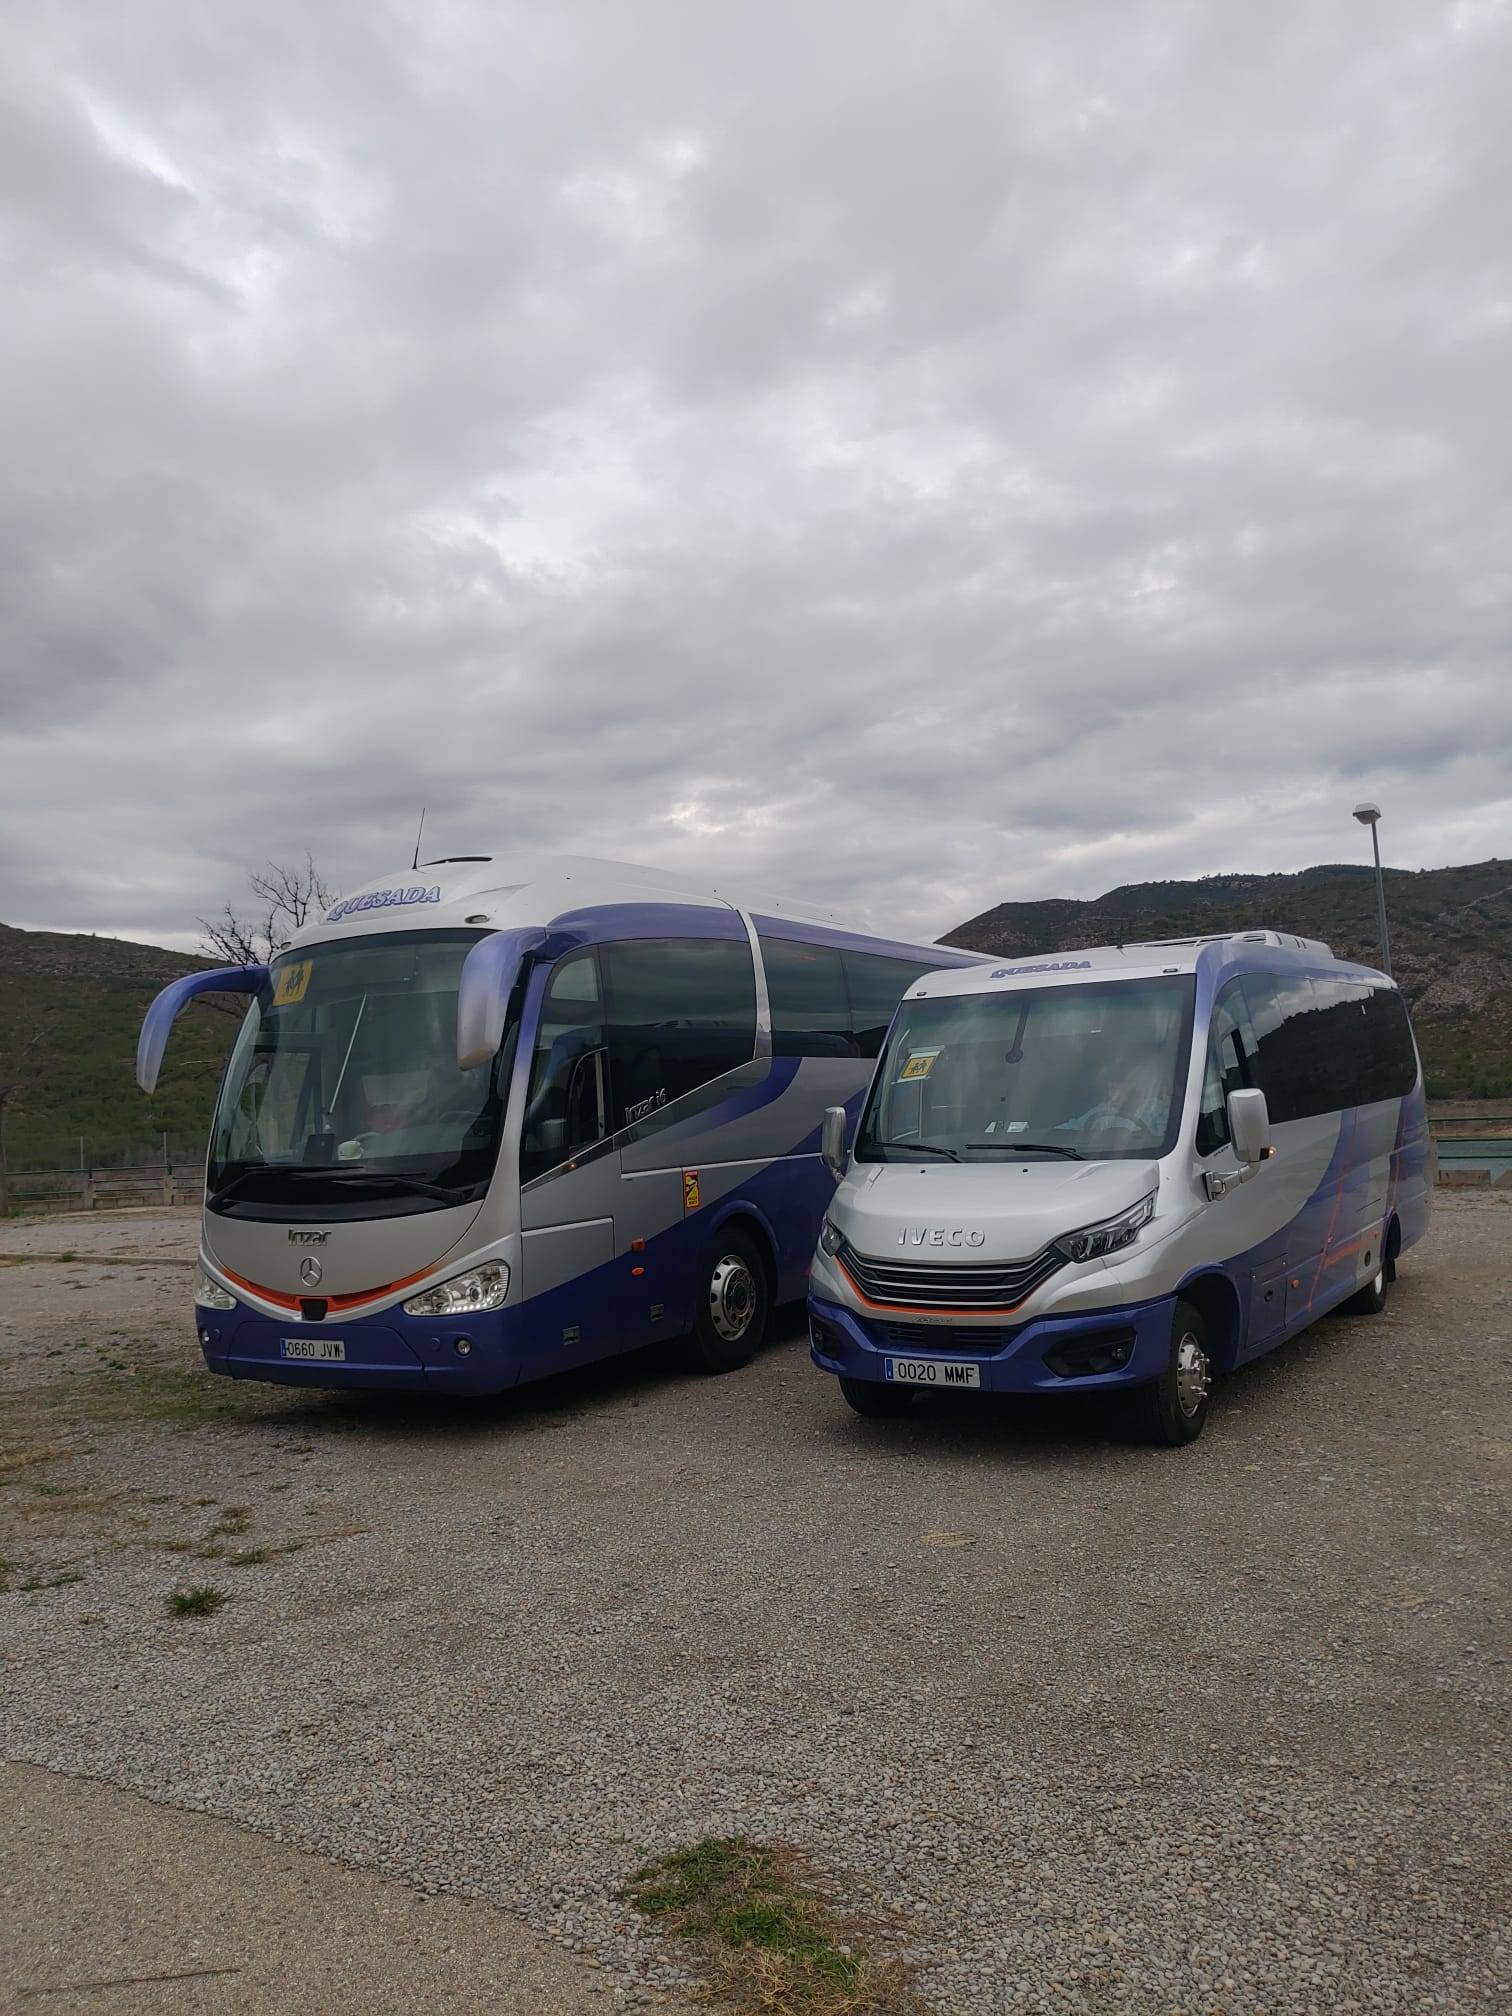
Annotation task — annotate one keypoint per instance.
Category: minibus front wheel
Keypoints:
(1173, 1408)
(876, 1400)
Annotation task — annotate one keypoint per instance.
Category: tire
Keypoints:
(1371, 1299)
(734, 1306)
(876, 1400)
(1172, 1409)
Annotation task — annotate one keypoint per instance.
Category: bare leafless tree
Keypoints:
(283, 900)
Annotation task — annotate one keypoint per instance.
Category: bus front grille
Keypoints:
(907, 1284)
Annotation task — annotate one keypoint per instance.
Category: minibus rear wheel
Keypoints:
(1371, 1299)
(734, 1305)
(1173, 1408)
(877, 1400)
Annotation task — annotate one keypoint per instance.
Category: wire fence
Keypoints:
(76, 1152)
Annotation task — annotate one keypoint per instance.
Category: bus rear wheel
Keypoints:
(876, 1400)
(1173, 1408)
(734, 1306)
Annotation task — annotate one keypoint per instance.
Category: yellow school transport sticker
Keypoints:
(691, 1194)
(292, 983)
(920, 1064)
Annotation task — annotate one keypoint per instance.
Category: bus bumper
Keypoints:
(387, 1352)
(1090, 1351)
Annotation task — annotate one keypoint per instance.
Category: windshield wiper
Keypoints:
(1024, 1148)
(246, 1175)
(908, 1149)
(411, 1185)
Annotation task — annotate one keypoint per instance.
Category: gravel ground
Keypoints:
(1110, 1728)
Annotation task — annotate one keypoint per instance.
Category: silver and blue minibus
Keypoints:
(494, 1117)
(1127, 1169)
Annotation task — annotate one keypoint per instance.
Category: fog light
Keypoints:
(464, 1345)
(1085, 1357)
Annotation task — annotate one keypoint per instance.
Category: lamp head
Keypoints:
(1367, 814)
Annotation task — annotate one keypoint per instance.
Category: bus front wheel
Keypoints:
(734, 1306)
(1173, 1408)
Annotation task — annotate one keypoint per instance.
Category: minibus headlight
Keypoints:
(1109, 1234)
(829, 1238)
(465, 1294)
(209, 1294)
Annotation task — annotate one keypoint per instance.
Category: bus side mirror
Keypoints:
(832, 1141)
(489, 973)
(1249, 1126)
(164, 1011)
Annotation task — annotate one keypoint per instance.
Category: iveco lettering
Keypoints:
(1170, 1157)
(495, 1117)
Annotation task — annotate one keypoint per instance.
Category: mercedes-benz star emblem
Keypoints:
(310, 1272)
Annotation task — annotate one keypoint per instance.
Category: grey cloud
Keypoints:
(903, 457)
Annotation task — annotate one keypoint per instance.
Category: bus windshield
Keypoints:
(343, 1092)
(1087, 1071)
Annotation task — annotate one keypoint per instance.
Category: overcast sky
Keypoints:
(906, 456)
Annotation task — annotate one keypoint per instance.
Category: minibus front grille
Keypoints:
(907, 1284)
(972, 1340)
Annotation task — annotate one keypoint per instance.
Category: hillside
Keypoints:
(1451, 943)
(83, 997)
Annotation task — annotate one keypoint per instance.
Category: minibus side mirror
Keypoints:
(1249, 1130)
(1249, 1125)
(832, 1141)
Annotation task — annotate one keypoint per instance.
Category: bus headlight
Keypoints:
(209, 1294)
(829, 1238)
(1109, 1234)
(479, 1288)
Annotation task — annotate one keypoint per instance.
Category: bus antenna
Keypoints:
(418, 831)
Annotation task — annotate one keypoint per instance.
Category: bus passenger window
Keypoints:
(682, 1013)
(807, 998)
(876, 986)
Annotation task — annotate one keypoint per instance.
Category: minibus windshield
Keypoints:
(343, 1093)
(1090, 1071)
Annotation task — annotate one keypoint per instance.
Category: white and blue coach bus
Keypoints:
(501, 1116)
(1127, 1168)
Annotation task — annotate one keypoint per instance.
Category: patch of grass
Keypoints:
(234, 1519)
(203, 1600)
(59, 1581)
(769, 1939)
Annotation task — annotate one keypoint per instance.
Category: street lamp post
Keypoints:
(1369, 815)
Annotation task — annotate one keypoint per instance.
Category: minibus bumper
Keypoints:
(1085, 1351)
(389, 1351)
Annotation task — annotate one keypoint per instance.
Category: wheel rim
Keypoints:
(1378, 1286)
(1192, 1375)
(732, 1298)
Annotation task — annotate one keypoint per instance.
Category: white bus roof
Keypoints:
(501, 890)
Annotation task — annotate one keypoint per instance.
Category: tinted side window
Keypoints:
(566, 1105)
(681, 1011)
(1232, 1065)
(876, 986)
(1314, 1044)
(1391, 1060)
(806, 992)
